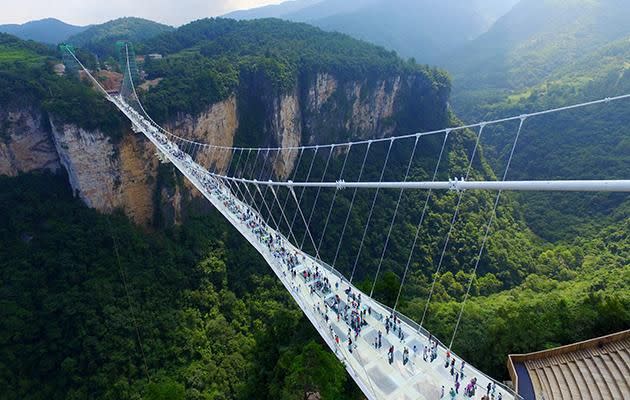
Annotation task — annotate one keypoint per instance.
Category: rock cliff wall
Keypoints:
(107, 175)
(25, 142)
(125, 174)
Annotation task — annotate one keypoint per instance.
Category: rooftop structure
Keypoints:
(597, 369)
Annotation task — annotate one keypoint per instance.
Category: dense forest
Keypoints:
(93, 306)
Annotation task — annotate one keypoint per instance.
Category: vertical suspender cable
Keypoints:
(391, 224)
(332, 203)
(419, 226)
(275, 195)
(271, 176)
(450, 230)
(378, 270)
(308, 230)
(238, 163)
(259, 175)
(262, 195)
(486, 234)
(255, 162)
(240, 175)
(367, 223)
(308, 175)
(257, 185)
(354, 195)
(295, 171)
(254, 204)
(230, 157)
(234, 184)
(319, 189)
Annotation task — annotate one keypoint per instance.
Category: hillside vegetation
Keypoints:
(101, 39)
(27, 80)
(579, 291)
(211, 322)
(547, 54)
(535, 41)
(13, 50)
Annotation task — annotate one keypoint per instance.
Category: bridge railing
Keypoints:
(417, 327)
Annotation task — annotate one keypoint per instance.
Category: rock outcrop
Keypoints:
(107, 175)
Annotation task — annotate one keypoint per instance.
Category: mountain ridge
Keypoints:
(401, 25)
(100, 39)
(47, 30)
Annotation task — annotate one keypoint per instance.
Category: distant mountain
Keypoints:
(273, 11)
(545, 54)
(49, 30)
(424, 29)
(535, 40)
(100, 39)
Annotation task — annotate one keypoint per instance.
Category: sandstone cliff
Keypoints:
(126, 174)
(108, 175)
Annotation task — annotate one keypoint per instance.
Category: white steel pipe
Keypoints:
(458, 185)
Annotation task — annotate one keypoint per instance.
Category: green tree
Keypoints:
(166, 389)
(314, 370)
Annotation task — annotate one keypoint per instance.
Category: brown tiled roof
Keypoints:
(597, 369)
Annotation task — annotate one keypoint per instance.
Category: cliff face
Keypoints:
(105, 175)
(25, 143)
(217, 125)
(126, 174)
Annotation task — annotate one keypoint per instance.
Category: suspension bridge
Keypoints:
(270, 195)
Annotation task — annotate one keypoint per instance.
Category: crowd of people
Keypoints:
(349, 309)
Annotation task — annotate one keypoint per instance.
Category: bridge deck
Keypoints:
(416, 379)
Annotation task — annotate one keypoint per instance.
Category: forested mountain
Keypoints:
(546, 54)
(100, 39)
(423, 29)
(537, 41)
(282, 56)
(49, 30)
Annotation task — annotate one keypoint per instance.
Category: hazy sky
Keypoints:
(83, 12)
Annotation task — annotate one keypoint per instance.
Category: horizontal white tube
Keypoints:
(538, 186)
